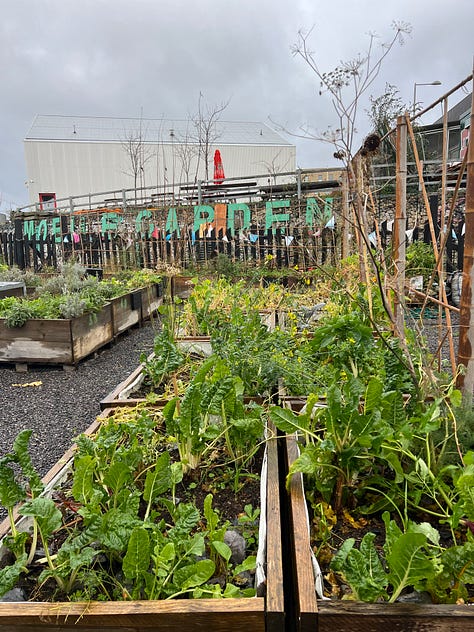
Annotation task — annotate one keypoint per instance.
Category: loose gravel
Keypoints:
(64, 403)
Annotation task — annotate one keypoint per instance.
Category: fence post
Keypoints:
(466, 317)
(199, 192)
(399, 239)
(298, 183)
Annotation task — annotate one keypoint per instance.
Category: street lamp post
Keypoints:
(430, 83)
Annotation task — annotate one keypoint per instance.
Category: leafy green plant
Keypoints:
(420, 260)
(343, 438)
(130, 538)
(73, 306)
(412, 558)
(18, 314)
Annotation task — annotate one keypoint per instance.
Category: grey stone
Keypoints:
(236, 543)
(15, 594)
(415, 597)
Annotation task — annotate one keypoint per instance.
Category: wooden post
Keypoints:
(433, 239)
(345, 217)
(466, 319)
(400, 224)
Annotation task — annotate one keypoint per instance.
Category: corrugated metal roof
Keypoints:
(105, 129)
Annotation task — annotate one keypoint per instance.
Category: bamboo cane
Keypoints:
(433, 238)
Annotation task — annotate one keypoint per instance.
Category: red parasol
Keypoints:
(218, 168)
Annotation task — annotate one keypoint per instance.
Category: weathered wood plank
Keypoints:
(123, 316)
(306, 605)
(361, 617)
(91, 332)
(53, 330)
(275, 599)
(152, 299)
(38, 340)
(212, 615)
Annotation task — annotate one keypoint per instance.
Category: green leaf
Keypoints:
(285, 420)
(82, 557)
(158, 480)
(186, 518)
(339, 559)
(222, 549)
(117, 476)
(409, 564)
(11, 493)
(194, 574)
(45, 512)
(231, 592)
(20, 448)
(212, 517)
(249, 564)
(137, 557)
(465, 487)
(373, 395)
(10, 575)
(82, 486)
(176, 473)
(115, 529)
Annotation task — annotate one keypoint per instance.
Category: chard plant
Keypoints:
(120, 532)
(412, 558)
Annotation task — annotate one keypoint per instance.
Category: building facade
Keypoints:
(74, 156)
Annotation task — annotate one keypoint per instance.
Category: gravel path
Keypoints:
(66, 402)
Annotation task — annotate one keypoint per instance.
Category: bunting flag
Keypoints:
(288, 240)
(253, 238)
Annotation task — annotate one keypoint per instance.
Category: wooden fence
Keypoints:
(115, 239)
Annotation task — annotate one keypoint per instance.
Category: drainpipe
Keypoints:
(466, 317)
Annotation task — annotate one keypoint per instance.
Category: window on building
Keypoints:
(47, 201)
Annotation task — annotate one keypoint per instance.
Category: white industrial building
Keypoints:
(77, 155)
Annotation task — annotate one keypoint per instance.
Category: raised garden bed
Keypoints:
(56, 341)
(327, 615)
(258, 613)
(68, 341)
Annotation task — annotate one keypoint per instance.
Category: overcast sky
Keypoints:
(127, 58)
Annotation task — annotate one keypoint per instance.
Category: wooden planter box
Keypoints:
(256, 614)
(320, 615)
(123, 393)
(126, 312)
(58, 341)
(67, 341)
(181, 286)
(152, 299)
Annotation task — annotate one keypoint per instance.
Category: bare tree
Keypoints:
(205, 130)
(138, 153)
(346, 84)
(275, 165)
(186, 151)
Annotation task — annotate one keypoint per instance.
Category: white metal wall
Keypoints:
(69, 168)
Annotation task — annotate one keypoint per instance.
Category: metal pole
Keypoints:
(466, 318)
(400, 224)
